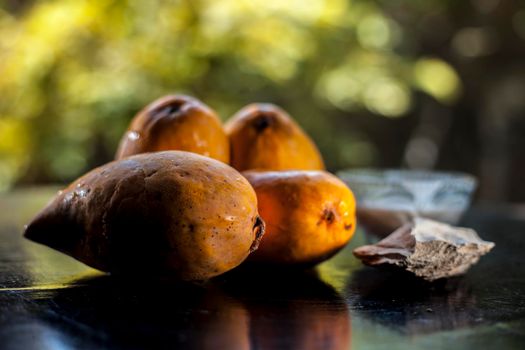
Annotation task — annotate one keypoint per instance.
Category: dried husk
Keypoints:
(428, 249)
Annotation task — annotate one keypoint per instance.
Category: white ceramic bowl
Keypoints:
(387, 199)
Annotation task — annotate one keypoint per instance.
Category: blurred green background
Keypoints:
(433, 84)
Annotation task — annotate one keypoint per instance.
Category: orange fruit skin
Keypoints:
(309, 215)
(176, 122)
(263, 136)
(168, 213)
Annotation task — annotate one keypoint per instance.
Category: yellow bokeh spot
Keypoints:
(340, 89)
(14, 149)
(387, 97)
(277, 59)
(373, 31)
(438, 79)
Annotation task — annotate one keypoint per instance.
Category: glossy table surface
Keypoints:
(50, 301)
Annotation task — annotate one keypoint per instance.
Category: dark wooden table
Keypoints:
(50, 301)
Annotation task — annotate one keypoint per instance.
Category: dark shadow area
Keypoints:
(108, 312)
(234, 312)
(401, 301)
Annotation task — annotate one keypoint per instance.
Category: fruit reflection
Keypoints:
(142, 314)
(292, 309)
(244, 309)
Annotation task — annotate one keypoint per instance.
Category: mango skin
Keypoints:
(176, 122)
(309, 216)
(166, 213)
(264, 137)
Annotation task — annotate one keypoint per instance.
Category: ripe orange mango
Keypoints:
(309, 215)
(264, 137)
(176, 122)
(165, 213)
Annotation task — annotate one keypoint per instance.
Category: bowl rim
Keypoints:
(378, 176)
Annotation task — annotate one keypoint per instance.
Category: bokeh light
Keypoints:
(74, 72)
(438, 79)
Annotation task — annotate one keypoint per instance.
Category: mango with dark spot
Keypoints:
(264, 137)
(140, 215)
(176, 122)
(309, 215)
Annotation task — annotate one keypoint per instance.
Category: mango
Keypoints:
(264, 137)
(309, 216)
(176, 122)
(166, 213)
